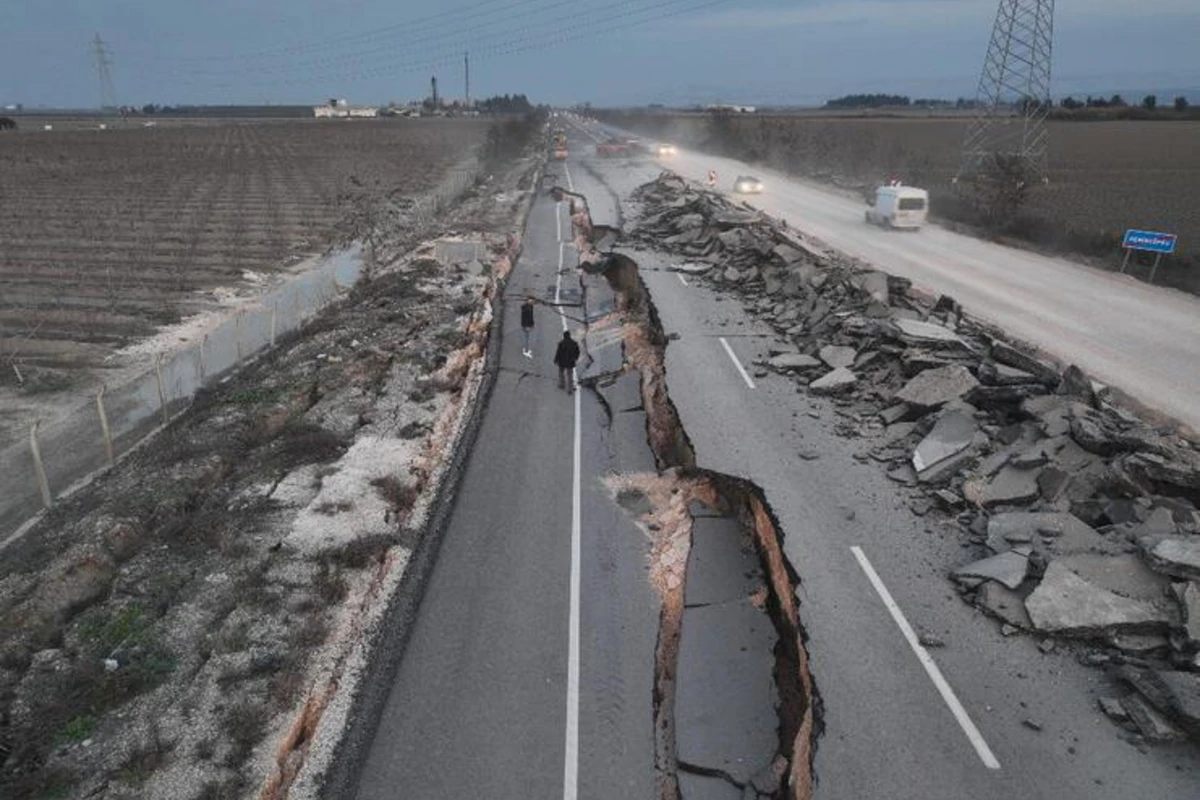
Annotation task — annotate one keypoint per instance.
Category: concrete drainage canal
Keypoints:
(735, 709)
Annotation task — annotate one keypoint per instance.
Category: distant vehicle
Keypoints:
(612, 148)
(898, 206)
(665, 149)
(560, 153)
(747, 184)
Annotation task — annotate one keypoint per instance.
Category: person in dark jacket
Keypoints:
(565, 358)
(527, 326)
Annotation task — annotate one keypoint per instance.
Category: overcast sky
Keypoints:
(607, 52)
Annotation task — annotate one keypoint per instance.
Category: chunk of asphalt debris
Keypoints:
(1071, 534)
(926, 331)
(1076, 384)
(1008, 568)
(1065, 603)
(837, 356)
(1150, 723)
(936, 387)
(1112, 708)
(1123, 573)
(894, 413)
(952, 434)
(796, 361)
(1033, 725)
(838, 381)
(1006, 354)
(1010, 486)
(1003, 604)
(1188, 597)
(1174, 556)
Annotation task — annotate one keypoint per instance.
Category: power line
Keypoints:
(507, 41)
(449, 41)
(412, 28)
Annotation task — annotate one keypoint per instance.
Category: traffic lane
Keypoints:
(1138, 337)
(478, 704)
(872, 713)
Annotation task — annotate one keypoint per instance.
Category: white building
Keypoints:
(345, 112)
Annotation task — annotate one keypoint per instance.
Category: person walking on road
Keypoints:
(565, 358)
(527, 326)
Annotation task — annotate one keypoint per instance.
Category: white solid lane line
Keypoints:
(736, 363)
(567, 172)
(931, 668)
(571, 758)
(682, 279)
(558, 220)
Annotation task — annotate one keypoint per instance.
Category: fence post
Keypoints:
(108, 442)
(162, 395)
(237, 334)
(39, 467)
(203, 366)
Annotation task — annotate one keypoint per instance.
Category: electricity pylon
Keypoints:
(1014, 93)
(108, 95)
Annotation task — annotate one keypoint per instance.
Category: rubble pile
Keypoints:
(1084, 517)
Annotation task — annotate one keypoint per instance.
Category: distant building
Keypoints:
(338, 109)
(734, 109)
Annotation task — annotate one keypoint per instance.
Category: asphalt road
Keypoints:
(1142, 339)
(891, 730)
(491, 697)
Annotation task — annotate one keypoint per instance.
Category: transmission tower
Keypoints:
(108, 95)
(1014, 92)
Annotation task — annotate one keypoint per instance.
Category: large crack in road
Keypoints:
(669, 505)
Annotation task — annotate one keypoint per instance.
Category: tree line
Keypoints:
(1149, 102)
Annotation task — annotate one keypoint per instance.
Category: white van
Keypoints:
(899, 207)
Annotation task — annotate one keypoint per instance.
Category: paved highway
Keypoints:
(900, 720)
(1142, 339)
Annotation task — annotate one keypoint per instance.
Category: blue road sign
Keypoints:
(1149, 240)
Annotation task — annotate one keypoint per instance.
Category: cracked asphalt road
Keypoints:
(889, 733)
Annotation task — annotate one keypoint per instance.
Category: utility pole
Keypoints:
(467, 74)
(433, 84)
(1013, 99)
(108, 95)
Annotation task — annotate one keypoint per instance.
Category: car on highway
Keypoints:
(897, 206)
(747, 184)
(664, 150)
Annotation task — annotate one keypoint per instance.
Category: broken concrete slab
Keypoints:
(1188, 597)
(725, 693)
(722, 564)
(1124, 573)
(1008, 355)
(1174, 556)
(875, 285)
(1010, 486)
(701, 787)
(836, 382)
(935, 387)
(926, 331)
(1003, 603)
(1008, 568)
(1067, 604)
(1076, 384)
(1068, 533)
(1151, 723)
(952, 434)
(1185, 693)
(796, 361)
(837, 356)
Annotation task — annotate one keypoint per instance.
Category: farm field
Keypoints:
(1104, 176)
(107, 235)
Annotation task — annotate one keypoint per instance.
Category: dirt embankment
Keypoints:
(186, 626)
(1105, 176)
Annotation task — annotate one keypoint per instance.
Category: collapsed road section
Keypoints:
(734, 702)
